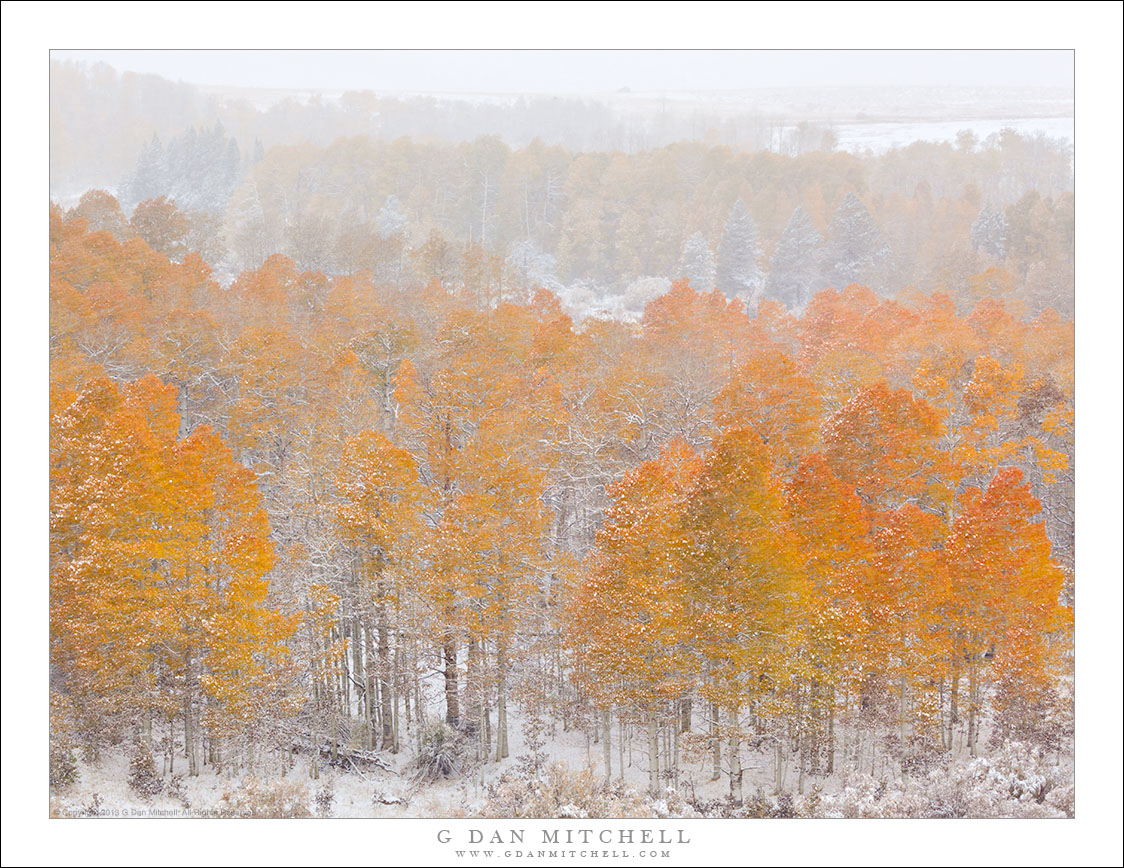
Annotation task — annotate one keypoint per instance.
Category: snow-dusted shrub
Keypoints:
(143, 779)
(534, 731)
(324, 799)
(759, 806)
(1023, 775)
(265, 799)
(62, 767)
(811, 804)
(716, 808)
(860, 797)
(1018, 781)
(442, 753)
(177, 790)
(63, 770)
(1061, 799)
(784, 809)
(563, 793)
(673, 805)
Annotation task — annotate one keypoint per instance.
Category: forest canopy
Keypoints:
(382, 447)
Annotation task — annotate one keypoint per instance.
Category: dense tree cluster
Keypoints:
(312, 511)
(587, 226)
(382, 185)
(198, 171)
(605, 220)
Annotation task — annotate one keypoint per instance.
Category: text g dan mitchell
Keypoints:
(566, 836)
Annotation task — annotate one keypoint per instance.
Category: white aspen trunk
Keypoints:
(973, 705)
(735, 756)
(387, 710)
(952, 713)
(620, 749)
(452, 704)
(716, 743)
(802, 741)
(315, 769)
(831, 733)
(606, 741)
(902, 714)
(188, 724)
(501, 704)
(369, 683)
(675, 757)
(395, 691)
(357, 660)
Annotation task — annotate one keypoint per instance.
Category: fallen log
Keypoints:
(344, 756)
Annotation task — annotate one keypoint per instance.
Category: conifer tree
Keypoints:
(697, 263)
(149, 179)
(794, 275)
(856, 251)
(990, 232)
(737, 272)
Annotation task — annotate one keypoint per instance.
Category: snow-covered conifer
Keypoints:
(737, 271)
(856, 250)
(697, 263)
(794, 276)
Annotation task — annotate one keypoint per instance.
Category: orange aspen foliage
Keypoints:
(882, 442)
(381, 498)
(769, 395)
(1002, 578)
(1003, 593)
(832, 527)
(628, 616)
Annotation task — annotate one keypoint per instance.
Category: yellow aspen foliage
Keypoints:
(160, 558)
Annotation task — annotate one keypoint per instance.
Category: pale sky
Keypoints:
(567, 71)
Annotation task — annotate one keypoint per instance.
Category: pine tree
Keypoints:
(794, 276)
(855, 249)
(697, 263)
(150, 178)
(737, 271)
(199, 170)
(990, 232)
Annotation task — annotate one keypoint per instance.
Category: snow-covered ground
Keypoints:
(883, 136)
(368, 793)
(1012, 781)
